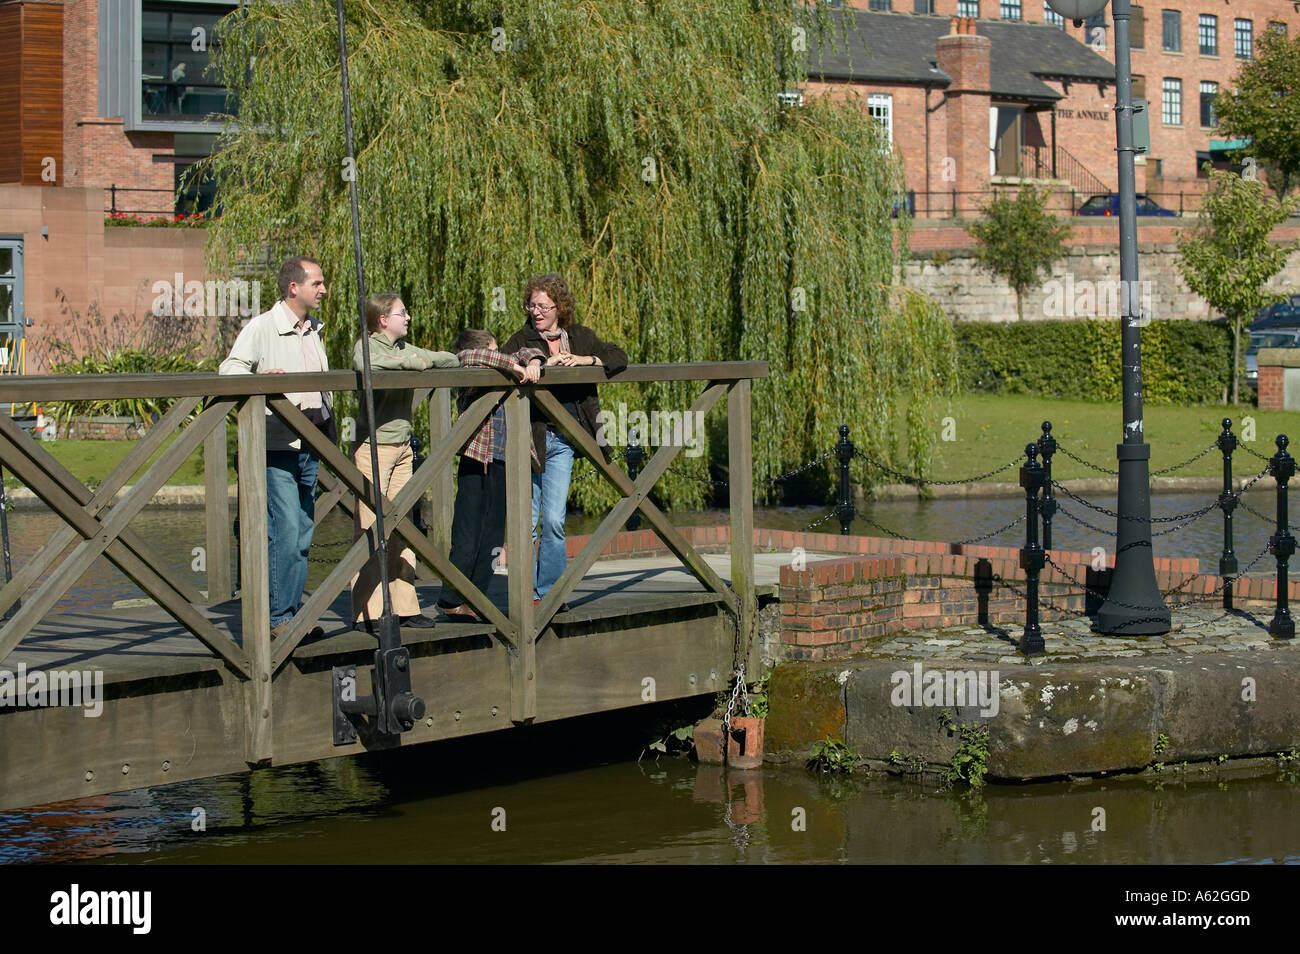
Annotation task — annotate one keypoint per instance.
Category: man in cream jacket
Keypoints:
(287, 339)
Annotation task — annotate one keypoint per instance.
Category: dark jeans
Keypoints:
(478, 525)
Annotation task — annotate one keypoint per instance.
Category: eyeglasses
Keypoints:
(398, 314)
(544, 309)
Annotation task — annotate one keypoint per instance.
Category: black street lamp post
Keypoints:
(1134, 605)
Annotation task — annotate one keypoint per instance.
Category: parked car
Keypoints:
(1109, 205)
(1269, 338)
(1282, 314)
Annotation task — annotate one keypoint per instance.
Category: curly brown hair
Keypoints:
(558, 291)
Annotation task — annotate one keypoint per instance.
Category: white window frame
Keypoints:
(880, 107)
(1171, 86)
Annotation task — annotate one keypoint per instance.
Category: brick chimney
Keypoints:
(964, 55)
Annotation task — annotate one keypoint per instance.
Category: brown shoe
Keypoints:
(462, 612)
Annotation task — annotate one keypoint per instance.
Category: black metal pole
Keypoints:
(396, 707)
(388, 631)
(1047, 446)
(845, 509)
(1032, 556)
(1134, 604)
(4, 533)
(1227, 442)
(1282, 467)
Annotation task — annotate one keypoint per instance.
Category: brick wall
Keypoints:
(1270, 387)
(831, 609)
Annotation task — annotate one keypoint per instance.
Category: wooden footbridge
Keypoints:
(194, 686)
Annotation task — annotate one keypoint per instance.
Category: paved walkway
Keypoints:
(1195, 630)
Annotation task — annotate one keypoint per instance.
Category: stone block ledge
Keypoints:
(1048, 721)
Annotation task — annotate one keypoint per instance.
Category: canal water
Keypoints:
(575, 792)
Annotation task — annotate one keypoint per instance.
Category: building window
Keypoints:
(1051, 17)
(1243, 39)
(923, 6)
(1137, 29)
(1277, 26)
(1010, 9)
(1208, 92)
(1171, 102)
(880, 106)
(968, 8)
(1171, 22)
(174, 82)
(879, 5)
(1139, 86)
(1207, 31)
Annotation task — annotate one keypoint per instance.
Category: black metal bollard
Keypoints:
(1282, 468)
(845, 509)
(1227, 442)
(1032, 556)
(635, 455)
(1047, 447)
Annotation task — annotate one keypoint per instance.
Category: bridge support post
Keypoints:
(442, 496)
(741, 476)
(255, 597)
(519, 543)
(217, 503)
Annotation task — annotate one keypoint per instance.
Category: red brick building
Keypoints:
(1045, 96)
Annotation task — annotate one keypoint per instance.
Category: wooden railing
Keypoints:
(98, 522)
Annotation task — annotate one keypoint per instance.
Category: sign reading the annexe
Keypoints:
(1083, 113)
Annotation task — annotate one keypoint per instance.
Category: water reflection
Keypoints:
(406, 810)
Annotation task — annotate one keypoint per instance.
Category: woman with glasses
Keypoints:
(549, 327)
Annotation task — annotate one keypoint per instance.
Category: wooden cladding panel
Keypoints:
(10, 33)
(31, 90)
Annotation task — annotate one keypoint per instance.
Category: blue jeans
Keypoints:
(550, 495)
(290, 511)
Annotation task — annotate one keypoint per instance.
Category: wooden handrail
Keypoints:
(82, 387)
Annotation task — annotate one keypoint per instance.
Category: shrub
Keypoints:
(1183, 361)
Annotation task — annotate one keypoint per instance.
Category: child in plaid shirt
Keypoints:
(478, 524)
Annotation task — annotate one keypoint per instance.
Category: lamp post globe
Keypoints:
(1078, 9)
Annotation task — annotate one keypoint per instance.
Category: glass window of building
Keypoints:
(1139, 86)
(1243, 39)
(880, 106)
(1277, 26)
(1171, 22)
(1051, 17)
(176, 45)
(1208, 92)
(879, 5)
(968, 8)
(1171, 102)
(1010, 9)
(1207, 33)
(1137, 29)
(923, 6)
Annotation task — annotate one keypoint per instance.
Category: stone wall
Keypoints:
(968, 293)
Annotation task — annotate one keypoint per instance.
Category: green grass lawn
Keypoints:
(988, 431)
(92, 461)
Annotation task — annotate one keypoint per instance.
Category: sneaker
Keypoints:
(418, 622)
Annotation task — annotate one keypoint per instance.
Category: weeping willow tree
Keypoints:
(638, 148)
